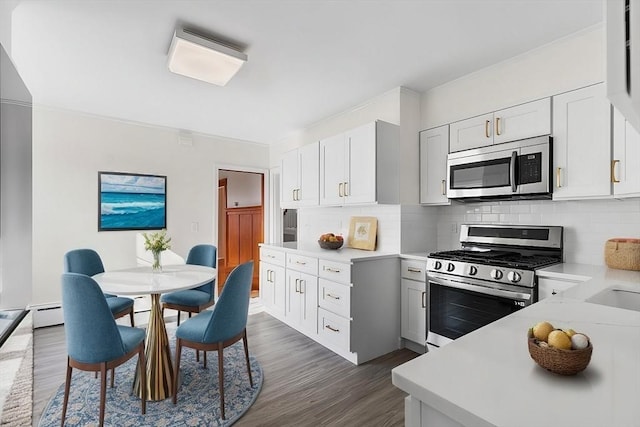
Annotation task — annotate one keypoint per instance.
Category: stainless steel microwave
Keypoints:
(513, 170)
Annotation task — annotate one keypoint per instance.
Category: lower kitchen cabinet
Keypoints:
(348, 301)
(272, 281)
(413, 301)
(550, 287)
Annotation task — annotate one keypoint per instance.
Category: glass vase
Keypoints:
(156, 267)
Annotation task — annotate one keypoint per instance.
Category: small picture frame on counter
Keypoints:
(362, 232)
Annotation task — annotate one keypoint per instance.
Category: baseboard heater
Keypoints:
(46, 315)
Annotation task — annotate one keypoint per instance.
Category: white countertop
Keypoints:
(487, 377)
(343, 254)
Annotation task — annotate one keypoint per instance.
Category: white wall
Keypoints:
(563, 65)
(68, 151)
(243, 188)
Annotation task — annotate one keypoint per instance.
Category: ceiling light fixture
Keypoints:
(200, 58)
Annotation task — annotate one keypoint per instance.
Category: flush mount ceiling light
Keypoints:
(200, 58)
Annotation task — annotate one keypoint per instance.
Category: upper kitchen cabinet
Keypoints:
(299, 180)
(434, 147)
(625, 174)
(361, 166)
(582, 143)
(510, 124)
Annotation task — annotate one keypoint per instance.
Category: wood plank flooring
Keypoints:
(304, 383)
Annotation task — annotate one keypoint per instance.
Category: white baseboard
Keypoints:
(46, 315)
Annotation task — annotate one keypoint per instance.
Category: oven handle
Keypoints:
(480, 289)
(514, 159)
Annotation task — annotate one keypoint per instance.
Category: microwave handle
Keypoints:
(514, 159)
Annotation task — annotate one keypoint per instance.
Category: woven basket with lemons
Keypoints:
(562, 351)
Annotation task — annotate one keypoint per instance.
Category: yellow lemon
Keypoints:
(541, 330)
(559, 339)
(569, 332)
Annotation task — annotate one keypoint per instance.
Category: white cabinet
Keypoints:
(625, 173)
(582, 144)
(510, 124)
(302, 301)
(272, 281)
(434, 147)
(299, 177)
(549, 287)
(360, 166)
(413, 301)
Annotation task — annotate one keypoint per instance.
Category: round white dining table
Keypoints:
(142, 281)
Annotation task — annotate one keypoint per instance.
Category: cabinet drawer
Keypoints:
(334, 297)
(415, 270)
(336, 271)
(302, 263)
(272, 256)
(333, 329)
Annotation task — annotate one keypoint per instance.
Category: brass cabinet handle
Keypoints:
(341, 189)
(497, 125)
(424, 300)
(297, 285)
(414, 270)
(332, 329)
(293, 194)
(486, 128)
(558, 177)
(613, 171)
(332, 270)
(346, 189)
(443, 186)
(270, 256)
(302, 286)
(332, 296)
(301, 263)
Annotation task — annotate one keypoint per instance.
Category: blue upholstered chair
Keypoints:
(197, 299)
(95, 342)
(88, 262)
(213, 330)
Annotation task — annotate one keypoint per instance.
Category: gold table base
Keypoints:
(159, 385)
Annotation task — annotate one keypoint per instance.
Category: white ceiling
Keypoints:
(308, 59)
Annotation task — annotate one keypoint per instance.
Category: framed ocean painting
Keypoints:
(130, 201)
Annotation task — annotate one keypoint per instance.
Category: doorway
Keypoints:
(240, 222)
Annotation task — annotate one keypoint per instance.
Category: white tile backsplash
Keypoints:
(587, 223)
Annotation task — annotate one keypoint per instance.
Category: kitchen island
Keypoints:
(487, 377)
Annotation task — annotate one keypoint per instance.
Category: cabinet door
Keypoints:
(434, 147)
(272, 288)
(360, 186)
(522, 121)
(309, 303)
(308, 175)
(293, 306)
(413, 310)
(625, 175)
(582, 143)
(288, 178)
(471, 133)
(333, 163)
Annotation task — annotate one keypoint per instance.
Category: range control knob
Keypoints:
(496, 274)
(451, 267)
(514, 276)
(473, 270)
(437, 265)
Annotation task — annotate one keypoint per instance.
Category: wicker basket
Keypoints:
(562, 362)
(330, 245)
(623, 254)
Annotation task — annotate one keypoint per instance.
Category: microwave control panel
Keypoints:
(530, 168)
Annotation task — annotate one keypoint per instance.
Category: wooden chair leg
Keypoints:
(113, 376)
(178, 317)
(189, 315)
(197, 355)
(143, 377)
(131, 316)
(205, 359)
(103, 391)
(221, 377)
(246, 355)
(176, 370)
(66, 392)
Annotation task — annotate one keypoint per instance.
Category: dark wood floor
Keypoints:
(304, 383)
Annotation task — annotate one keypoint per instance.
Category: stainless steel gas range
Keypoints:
(492, 276)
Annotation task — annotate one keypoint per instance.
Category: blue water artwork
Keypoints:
(132, 201)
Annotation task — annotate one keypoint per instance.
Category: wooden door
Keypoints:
(244, 232)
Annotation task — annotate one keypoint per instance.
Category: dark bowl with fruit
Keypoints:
(330, 241)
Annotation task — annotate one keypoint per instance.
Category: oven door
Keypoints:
(482, 175)
(458, 306)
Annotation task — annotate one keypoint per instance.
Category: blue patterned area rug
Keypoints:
(198, 395)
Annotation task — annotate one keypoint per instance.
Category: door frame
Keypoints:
(266, 200)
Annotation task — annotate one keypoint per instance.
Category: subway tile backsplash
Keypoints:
(587, 223)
